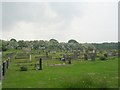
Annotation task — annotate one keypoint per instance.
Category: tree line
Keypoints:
(54, 45)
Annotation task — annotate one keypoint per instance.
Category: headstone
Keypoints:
(7, 64)
(46, 54)
(65, 57)
(62, 59)
(75, 55)
(85, 56)
(110, 54)
(93, 56)
(40, 64)
(30, 57)
(83, 50)
(69, 61)
(3, 69)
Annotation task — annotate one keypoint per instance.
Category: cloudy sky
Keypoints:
(82, 21)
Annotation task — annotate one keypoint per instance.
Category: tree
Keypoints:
(53, 41)
(4, 45)
(13, 40)
(13, 44)
(53, 45)
(72, 41)
(89, 50)
(22, 44)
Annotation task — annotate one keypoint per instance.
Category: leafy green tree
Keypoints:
(13, 44)
(53, 45)
(4, 45)
(72, 41)
(13, 40)
(22, 44)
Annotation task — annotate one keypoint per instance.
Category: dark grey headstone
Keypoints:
(85, 56)
(7, 64)
(40, 64)
(3, 69)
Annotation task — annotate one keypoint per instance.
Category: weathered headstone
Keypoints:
(7, 64)
(85, 56)
(30, 57)
(65, 57)
(93, 55)
(76, 54)
(46, 54)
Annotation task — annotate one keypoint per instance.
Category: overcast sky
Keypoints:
(82, 21)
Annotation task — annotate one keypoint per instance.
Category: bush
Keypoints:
(105, 55)
(102, 58)
(23, 68)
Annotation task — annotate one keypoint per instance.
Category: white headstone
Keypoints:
(93, 51)
(30, 57)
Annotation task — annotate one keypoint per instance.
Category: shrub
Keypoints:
(23, 68)
(102, 58)
(105, 55)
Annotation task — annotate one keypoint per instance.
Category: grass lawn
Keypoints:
(80, 74)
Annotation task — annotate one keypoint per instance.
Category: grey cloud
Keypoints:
(63, 20)
(13, 12)
(67, 9)
(35, 12)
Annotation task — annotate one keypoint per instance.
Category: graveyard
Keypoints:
(60, 68)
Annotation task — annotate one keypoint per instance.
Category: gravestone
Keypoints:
(85, 56)
(40, 64)
(69, 61)
(110, 54)
(30, 57)
(65, 57)
(76, 54)
(62, 59)
(46, 54)
(7, 64)
(3, 68)
(93, 55)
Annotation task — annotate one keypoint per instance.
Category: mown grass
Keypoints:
(80, 74)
